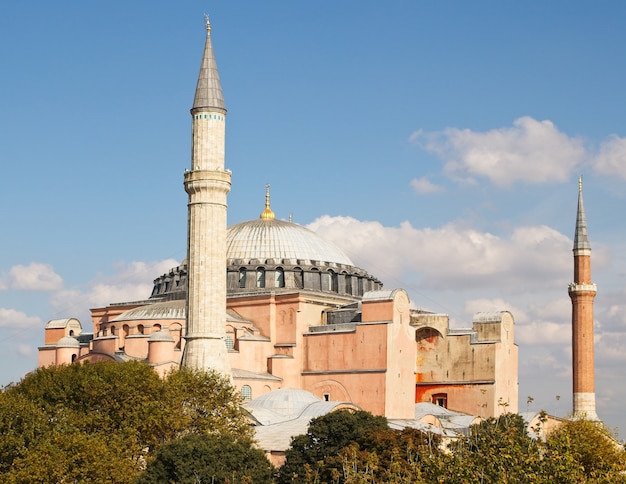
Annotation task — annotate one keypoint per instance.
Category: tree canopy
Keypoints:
(215, 458)
(85, 420)
(497, 450)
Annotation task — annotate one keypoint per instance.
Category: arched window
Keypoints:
(112, 330)
(260, 277)
(246, 392)
(348, 284)
(333, 285)
(156, 327)
(242, 278)
(140, 328)
(279, 277)
(299, 278)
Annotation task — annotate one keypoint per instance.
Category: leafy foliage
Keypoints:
(497, 450)
(584, 451)
(326, 436)
(208, 458)
(75, 423)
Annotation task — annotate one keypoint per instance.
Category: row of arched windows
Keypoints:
(328, 281)
(279, 277)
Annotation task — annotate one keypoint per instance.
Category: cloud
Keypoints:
(26, 350)
(611, 160)
(130, 282)
(530, 151)
(11, 318)
(422, 186)
(453, 257)
(35, 277)
(473, 306)
(543, 333)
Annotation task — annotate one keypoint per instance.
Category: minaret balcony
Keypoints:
(573, 287)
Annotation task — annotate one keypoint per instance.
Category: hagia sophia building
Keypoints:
(273, 306)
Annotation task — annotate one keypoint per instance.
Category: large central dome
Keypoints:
(276, 239)
(273, 255)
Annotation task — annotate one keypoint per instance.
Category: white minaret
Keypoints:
(207, 185)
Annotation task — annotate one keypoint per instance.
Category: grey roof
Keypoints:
(383, 295)
(208, 89)
(251, 375)
(174, 309)
(68, 342)
(488, 317)
(581, 238)
(63, 323)
(278, 437)
(277, 239)
(161, 336)
(284, 402)
(282, 414)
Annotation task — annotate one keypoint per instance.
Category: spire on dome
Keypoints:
(581, 239)
(208, 89)
(267, 214)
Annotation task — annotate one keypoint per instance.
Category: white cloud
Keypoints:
(11, 318)
(543, 333)
(35, 277)
(611, 160)
(423, 186)
(453, 257)
(130, 282)
(530, 151)
(26, 350)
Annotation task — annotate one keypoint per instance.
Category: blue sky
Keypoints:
(438, 143)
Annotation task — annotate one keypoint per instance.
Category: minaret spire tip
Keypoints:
(207, 22)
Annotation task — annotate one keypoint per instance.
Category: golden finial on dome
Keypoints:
(267, 214)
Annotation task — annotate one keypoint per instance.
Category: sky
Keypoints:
(438, 143)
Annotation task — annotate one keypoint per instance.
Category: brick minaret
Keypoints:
(207, 185)
(582, 292)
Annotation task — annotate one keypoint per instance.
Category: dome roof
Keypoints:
(284, 401)
(162, 310)
(68, 342)
(276, 239)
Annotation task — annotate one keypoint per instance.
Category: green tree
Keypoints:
(497, 450)
(109, 416)
(326, 436)
(386, 455)
(210, 458)
(584, 451)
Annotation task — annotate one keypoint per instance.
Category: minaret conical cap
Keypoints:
(208, 89)
(581, 238)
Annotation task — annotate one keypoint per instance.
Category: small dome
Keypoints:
(286, 401)
(162, 335)
(276, 239)
(68, 342)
